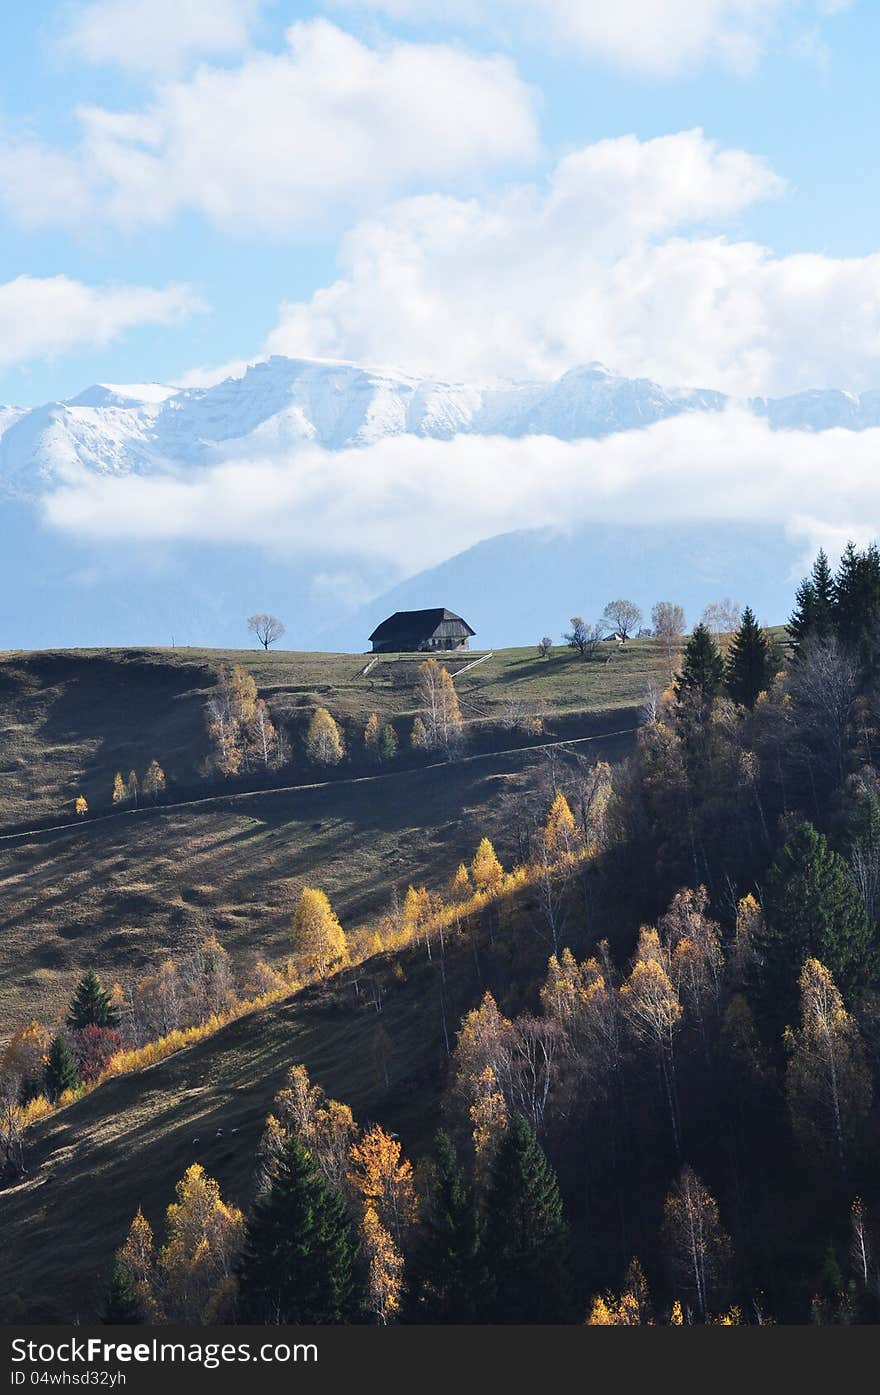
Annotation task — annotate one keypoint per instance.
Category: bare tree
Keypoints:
(584, 637)
(545, 644)
(824, 685)
(722, 619)
(267, 628)
(624, 617)
(668, 622)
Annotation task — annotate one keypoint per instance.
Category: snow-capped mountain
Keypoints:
(283, 402)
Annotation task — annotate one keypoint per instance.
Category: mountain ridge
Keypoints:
(283, 403)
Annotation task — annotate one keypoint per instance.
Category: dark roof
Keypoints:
(421, 624)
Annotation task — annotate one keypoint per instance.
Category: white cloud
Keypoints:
(654, 36)
(274, 143)
(389, 503)
(158, 36)
(619, 258)
(42, 317)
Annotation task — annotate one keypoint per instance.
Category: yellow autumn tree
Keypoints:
(439, 709)
(324, 743)
(697, 1244)
(372, 732)
(137, 1257)
(383, 1179)
(196, 1265)
(828, 1083)
(630, 1308)
(653, 1011)
(486, 870)
(81, 806)
(120, 793)
(384, 1269)
(460, 887)
(154, 781)
(489, 1118)
(561, 835)
(24, 1058)
(419, 737)
(325, 1127)
(318, 937)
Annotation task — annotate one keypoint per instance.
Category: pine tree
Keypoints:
(813, 908)
(749, 661)
(526, 1245)
(299, 1256)
(445, 1271)
(61, 1074)
(387, 743)
(813, 614)
(90, 1005)
(857, 595)
(121, 1305)
(702, 672)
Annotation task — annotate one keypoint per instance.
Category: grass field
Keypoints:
(70, 719)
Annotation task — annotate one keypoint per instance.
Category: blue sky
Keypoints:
(158, 286)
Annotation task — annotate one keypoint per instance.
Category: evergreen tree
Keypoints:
(121, 1305)
(702, 672)
(61, 1073)
(749, 661)
(813, 909)
(446, 1266)
(813, 614)
(90, 1005)
(299, 1256)
(857, 595)
(526, 1244)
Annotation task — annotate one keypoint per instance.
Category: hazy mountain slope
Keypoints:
(517, 587)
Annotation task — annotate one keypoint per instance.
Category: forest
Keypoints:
(661, 1109)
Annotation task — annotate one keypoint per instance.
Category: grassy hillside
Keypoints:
(119, 894)
(127, 1143)
(70, 719)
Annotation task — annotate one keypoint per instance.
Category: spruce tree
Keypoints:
(750, 661)
(121, 1306)
(526, 1236)
(61, 1073)
(702, 672)
(446, 1271)
(857, 595)
(813, 910)
(90, 1005)
(814, 610)
(298, 1260)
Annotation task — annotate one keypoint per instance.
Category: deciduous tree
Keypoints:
(324, 742)
(698, 1246)
(267, 628)
(318, 936)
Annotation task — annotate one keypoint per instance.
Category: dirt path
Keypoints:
(227, 800)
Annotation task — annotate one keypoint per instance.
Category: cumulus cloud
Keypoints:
(158, 36)
(279, 140)
(389, 503)
(655, 36)
(44, 316)
(620, 257)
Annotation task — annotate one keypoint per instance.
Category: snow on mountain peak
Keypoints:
(280, 403)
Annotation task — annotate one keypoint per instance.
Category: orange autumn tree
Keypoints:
(384, 1180)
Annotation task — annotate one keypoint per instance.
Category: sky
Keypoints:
(684, 189)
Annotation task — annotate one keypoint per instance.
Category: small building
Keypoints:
(417, 631)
